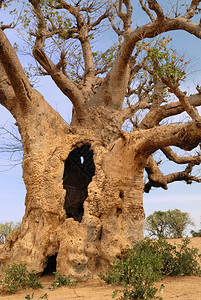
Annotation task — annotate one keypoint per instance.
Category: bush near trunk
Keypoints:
(16, 277)
(146, 262)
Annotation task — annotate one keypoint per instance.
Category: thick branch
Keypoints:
(119, 73)
(156, 177)
(126, 17)
(148, 12)
(14, 71)
(65, 84)
(153, 5)
(7, 95)
(186, 137)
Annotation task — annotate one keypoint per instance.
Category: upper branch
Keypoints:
(192, 111)
(126, 17)
(83, 36)
(62, 81)
(14, 70)
(148, 12)
(153, 5)
(65, 84)
(191, 10)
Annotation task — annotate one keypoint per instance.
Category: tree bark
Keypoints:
(113, 210)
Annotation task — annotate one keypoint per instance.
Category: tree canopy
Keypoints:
(168, 224)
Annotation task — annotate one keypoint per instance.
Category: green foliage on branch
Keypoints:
(16, 277)
(162, 59)
(146, 262)
(167, 224)
(6, 229)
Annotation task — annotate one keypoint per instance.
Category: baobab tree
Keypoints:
(84, 181)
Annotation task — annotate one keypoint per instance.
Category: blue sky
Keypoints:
(179, 195)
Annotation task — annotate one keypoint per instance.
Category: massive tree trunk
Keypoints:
(112, 217)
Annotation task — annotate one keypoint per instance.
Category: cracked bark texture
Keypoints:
(113, 216)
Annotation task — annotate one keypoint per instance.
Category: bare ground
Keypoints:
(176, 288)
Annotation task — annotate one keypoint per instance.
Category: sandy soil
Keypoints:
(176, 288)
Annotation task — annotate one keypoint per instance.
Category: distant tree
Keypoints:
(6, 229)
(196, 233)
(168, 224)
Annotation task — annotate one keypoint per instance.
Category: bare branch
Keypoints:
(153, 5)
(129, 111)
(185, 175)
(65, 84)
(83, 37)
(156, 178)
(191, 10)
(148, 12)
(171, 155)
(125, 17)
(193, 113)
(99, 20)
(10, 26)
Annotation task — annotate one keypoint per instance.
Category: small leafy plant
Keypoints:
(45, 296)
(28, 297)
(16, 277)
(146, 262)
(138, 270)
(62, 280)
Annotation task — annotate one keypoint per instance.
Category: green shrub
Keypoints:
(17, 277)
(180, 260)
(186, 260)
(62, 280)
(146, 262)
(137, 271)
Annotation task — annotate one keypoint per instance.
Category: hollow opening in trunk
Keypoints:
(78, 172)
(51, 265)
